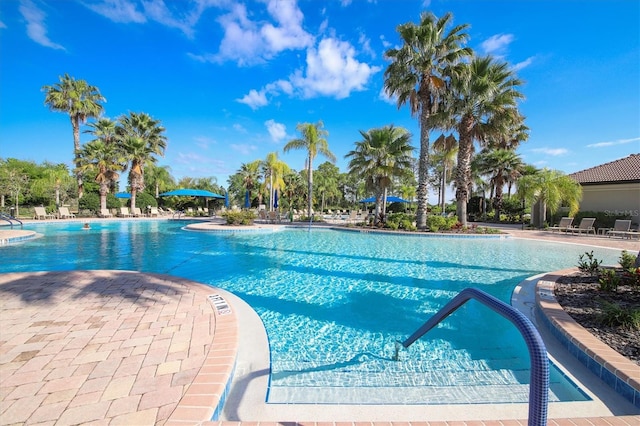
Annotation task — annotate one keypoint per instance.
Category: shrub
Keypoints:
(616, 316)
(632, 277)
(436, 223)
(400, 221)
(608, 280)
(589, 266)
(144, 199)
(627, 260)
(239, 217)
(89, 201)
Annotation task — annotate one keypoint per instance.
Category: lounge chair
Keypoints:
(274, 217)
(105, 213)
(64, 213)
(124, 212)
(136, 212)
(563, 226)
(586, 226)
(41, 213)
(620, 227)
(153, 212)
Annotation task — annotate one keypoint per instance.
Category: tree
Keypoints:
(250, 173)
(502, 165)
(142, 138)
(314, 142)
(274, 169)
(55, 181)
(326, 180)
(418, 75)
(381, 154)
(105, 160)
(81, 101)
(447, 149)
(549, 189)
(14, 181)
(482, 107)
(159, 177)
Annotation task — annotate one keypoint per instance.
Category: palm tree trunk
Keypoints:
(423, 171)
(463, 171)
(75, 123)
(443, 186)
(310, 188)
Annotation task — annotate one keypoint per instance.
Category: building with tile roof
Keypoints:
(612, 188)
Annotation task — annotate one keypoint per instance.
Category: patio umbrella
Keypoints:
(390, 199)
(186, 192)
(247, 202)
(125, 195)
(275, 199)
(226, 199)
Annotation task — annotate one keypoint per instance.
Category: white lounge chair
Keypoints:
(153, 212)
(105, 213)
(586, 226)
(564, 225)
(64, 213)
(136, 212)
(41, 213)
(620, 228)
(124, 212)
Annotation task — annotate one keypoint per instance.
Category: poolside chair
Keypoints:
(563, 226)
(41, 213)
(105, 213)
(64, 213)
(153, 212)
(124, 212)
(136, 212)
(620, 227)
(586, 226)
(274, 217)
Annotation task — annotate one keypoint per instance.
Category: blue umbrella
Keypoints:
(125, 195)
(390, 199)
(247, 203)
(226, 199)
(275, 199)
(191, 193)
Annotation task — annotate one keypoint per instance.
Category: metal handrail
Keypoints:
(539, 376)
(10, 218)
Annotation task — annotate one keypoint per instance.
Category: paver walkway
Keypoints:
(106, 347)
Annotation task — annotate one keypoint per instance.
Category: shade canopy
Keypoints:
(186, 192)
(390, 199)
(123, 195)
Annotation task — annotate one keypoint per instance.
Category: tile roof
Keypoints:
(624, 170)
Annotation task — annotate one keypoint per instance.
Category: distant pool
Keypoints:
(334, 303)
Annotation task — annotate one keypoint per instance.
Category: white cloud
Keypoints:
(254, 99)
(384, 96)
(36, 29)
(190, 158)
(204, 142)
(612, 143)
(497, 44)
(555, 152)
(239, 128)
(121, 11)
(2, 25)
(243, 149)
(249, 43)
(523, 64)
(278, 131)
(365, 44)
(158, 11)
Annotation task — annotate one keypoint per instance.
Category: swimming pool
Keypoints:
(334, 303)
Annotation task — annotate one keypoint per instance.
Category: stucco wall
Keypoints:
(614, 199)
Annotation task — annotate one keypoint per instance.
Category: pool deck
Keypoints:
(119, 347)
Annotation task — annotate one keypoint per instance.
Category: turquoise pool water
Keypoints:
(334, 303)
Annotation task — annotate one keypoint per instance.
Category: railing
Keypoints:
(10, 219)
(539, 377)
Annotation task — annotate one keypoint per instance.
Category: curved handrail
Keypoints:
(10, 218)
(539, 377)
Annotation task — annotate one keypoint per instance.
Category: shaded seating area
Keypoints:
(563, 226)
(585, 226)
(41, 213)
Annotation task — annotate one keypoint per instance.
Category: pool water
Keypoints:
(335, 303)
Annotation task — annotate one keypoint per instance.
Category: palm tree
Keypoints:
(381, 154)
(142, 138)
(482, 102)
(81, 101)
(159, 177)
(447, 148)
(104, 129)
(314, 142)
(418, 75)
(275, 170)
(549, 189)
(105, 160)
(250, 173)
(501, 165)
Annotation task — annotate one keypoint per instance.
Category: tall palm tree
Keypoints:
(549, 189)
(81, 101)
(483, 98)
(275, 169)
(381, 154)
(250, 173)
(104, 129)
(106, 160)
(418, 75)
(142, 138)
(314, 142)
(160, 178)
(447, 148)
(501, 165)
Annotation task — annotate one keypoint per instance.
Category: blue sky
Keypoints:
(231, 79)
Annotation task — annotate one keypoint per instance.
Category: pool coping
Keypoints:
(620, 373)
